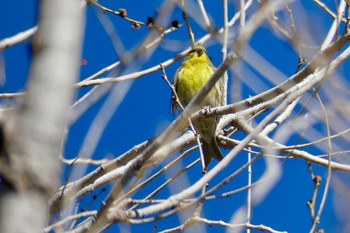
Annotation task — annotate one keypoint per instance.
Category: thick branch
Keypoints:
(36, 129)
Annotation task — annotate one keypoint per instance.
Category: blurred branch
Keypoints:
(11, 95)
(224, 46)
(35, 132)
(334, 30)
(18, 38)
(70, 162)
(204, 15)
(249, 191)
(70, 218)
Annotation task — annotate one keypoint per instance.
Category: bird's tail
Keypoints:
(211, 150)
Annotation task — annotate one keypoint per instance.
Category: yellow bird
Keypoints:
(189, 79)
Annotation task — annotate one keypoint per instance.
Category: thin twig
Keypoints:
(204, 15)
(249, 191)
(327, 10)
(311, 203)
(198, 220)
(329, 169)
(188, 27)
(121, 13)
(295, 40)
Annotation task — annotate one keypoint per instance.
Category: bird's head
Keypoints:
(197, 51)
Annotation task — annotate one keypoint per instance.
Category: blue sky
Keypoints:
(145, 110)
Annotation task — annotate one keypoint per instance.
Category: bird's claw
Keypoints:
(206, 109)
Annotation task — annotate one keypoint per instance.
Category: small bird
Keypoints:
(189, 79)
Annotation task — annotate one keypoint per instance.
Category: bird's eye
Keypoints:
(199, 52)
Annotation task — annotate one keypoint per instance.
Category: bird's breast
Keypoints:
(191, 79)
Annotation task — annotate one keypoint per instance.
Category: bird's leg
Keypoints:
(201, 154)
